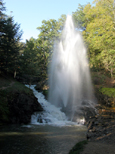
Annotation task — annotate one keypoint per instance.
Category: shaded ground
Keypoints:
(101, 137)
(101, 129)
(99, 148)
(5, 87)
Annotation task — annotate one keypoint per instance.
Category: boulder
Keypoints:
(21, 107)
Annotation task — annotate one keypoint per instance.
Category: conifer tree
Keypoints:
(10, 36)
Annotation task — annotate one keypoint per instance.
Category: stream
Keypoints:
(55, 135)
(39, 139)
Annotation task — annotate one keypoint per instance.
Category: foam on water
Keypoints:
(51, 115)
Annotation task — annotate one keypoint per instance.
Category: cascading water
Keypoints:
(69, 75)
(51, 115)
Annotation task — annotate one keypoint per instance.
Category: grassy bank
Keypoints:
(78, 147)
(8, 86)
(110, 92)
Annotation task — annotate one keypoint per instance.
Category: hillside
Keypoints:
(17, 102)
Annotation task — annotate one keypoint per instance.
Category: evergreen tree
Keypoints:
(10, 35)
(37, 52)
(29, 59)
(2, 9)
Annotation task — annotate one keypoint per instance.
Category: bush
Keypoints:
(108, 91)
(4, 110)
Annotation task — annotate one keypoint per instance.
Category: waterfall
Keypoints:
(51, 115)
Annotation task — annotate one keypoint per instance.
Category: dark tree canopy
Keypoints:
(10, 36)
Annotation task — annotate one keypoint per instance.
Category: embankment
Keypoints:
(17, 102)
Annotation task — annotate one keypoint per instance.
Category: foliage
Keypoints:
(7, 94)
(78, 147)
(45, 93)
(28, 58)
(79, 17)
(4, 110)
(50, 32)
(98, 24)
(37, 52)
(10, 35)
(98, 77)
(108, 60)
(108, 91)
(2, 9)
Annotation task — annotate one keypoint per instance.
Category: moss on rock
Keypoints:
(17, 102)
(78, 148)
(108, 91)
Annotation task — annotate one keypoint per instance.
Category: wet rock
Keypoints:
(99, 128)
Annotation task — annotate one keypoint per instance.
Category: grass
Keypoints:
(12, 85)
(4, 82)
(19, 87)
(78, 147)
(7, 93)
(4, 110)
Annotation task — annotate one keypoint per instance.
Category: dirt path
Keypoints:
(99, 148)
(7, 86)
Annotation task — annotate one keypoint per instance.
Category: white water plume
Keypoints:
(69, 75)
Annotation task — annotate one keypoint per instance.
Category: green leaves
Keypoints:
(108, 91)
(79, 17)
(10, 36)
(37, 52)
(99, 32)
(29, 59)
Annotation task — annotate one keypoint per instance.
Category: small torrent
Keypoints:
(51, 115)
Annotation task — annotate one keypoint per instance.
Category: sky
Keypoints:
(30, 13)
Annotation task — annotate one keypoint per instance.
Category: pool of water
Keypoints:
(36, 139)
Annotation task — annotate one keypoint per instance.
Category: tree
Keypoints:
(98, 32)
(2, 9)
(37, 52)
(10, 35)
(29, 59)
(79, 17)
(108, 59)
(50, 31)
